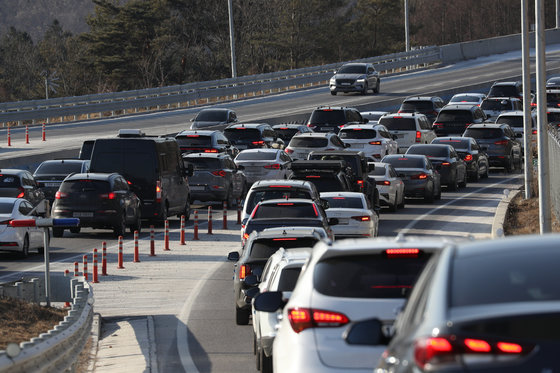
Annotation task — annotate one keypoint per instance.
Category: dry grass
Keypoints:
(523, 217)
(20, 321)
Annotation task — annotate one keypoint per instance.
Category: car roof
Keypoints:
(326, 107)
(404, 115)
(72, 160)
(91, 175)
(451, 138)
(421, 98)
(487, 125)
(286, 200)
(463, 106)
(507, 83)
(315, 134)
(342, 194)
(247, 125)
(197, 132)
(393, 156)
(261, 150)
(292, 232)
(286, 182)
(12, 171)
(513, 113)
(364, 126)
(338, 152)
(216, 109)
(10, 199)
(509, 244)
(288, 125)
(205, 155)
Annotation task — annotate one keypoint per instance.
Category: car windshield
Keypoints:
(9, 181)
(256, 156)
(398, 123)
(286, 133)
(60, 168)
(242, 134)
(456, 143)
(420, 106)
(352, 69)
(378, 171)
(345, 202)
(518, 276)
(368, 276)
(405, 162)
(308, 142)
(328, 116)
(430, 151)
(483, 133)
(6, 207)
(286, 210)
(513, 121)
(455, 116)
(212, 116)
(263, 248)
(498, 105)
(85, 185)
(276, 192)
(193, 140)
(204, 163)
(357, 133)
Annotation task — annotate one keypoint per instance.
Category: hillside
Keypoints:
(34, 16)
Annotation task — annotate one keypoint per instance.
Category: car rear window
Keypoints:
(205, 163)
(327, 116)
(456, 143)
(455, 116)
(193, 140)
(398, 123)
(85, 185)
(288, 279)
(61, 168)
(308, 142)
(520, 276)
(275, 193)
(513, 121)
(483, 133)
(378, 171)
(256, 156)
(368, 276)
(430, 151)
(345, 202)
(242, 134)
(405, 162)
(412, 106)
(286, 210)
(211, 116)
(503, 91)
(464, 98)
(9, 181)
(498, 105)
(325, 183)
(357, 133)
(6, 207)
(263, 248)
(286, 133)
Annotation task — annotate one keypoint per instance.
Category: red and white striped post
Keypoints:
(152, 241)
(166, 236)
(44, 132)
(9, 137)
(120, 260)
(136, 254)
(95, 275)
(103, 258)
(85, 267)
(209, 219)
(224, 209)
(26, 134)
(76, 271)
(183, 230)
(195, 228)
(66, 273)
(238, 211)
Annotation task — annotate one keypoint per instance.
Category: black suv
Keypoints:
(454, 119)
(506, 89)
(100, 201)
(498, 141)
(333, 118)
(328, 176)
(196, 141)
(360, 168)
(20, 184)
(49, 174)
(253, 135)
(430, 106)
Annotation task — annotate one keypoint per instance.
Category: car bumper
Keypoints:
(414, 188)
(357, 87)
(98, 220)
(206, 192)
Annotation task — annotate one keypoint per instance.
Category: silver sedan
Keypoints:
(264, 164)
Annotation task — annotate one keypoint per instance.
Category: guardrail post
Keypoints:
(224, 209)
(85, 267)
(44, 132)
(183, 230)
(166, 236)
(9, 137)
(76, 271)
(195, 227)
(152, 241)
(209, 219)
(103, 258)
(26, 134)
(95, 275)
(136, 254)
(120, 260)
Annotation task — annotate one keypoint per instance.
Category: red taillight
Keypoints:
(108, 195)
(220, 173)
(445, 164)
(254, 211)
(158, 191)
(244, 271)
(509, 348)
(260, 142)
(375, 143)
(285, 204)
(60, 195)
(477, 345)
(357, 129)
(402, 253)
(439, 125)
(274, 166)
(533, 104)
(315, 209)
(501, 142)
(426, 349)
(360, 183)
(383, 182)
(210, 150)
(535, 131)
(468, 158)
(193, 135)
(304, 318)
(420, 176)
(21, 192)
(285, 239)
(361, 218)
(311, 125)
(313, 177)
(288, 150)
(418, 136)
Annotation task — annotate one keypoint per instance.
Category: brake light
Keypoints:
(210, 150)
(21, 192)
(254, 212)
(305, 318)
(445, 164)
(533, 104)
(158, 191)
(220, 173)
(408, 253)
(361, 218)
(535, 131)
(418, 136)
(311, 126)
(426, 349)
(288, 150)
(375, 142)
(360, 183)
(357, 129)
(108, 195)
(315, 209)
(274, 166)
(193, 135)
(244, 271)
(285, 204)
(383, 182)
(313, 177)
(468, 158)
(501, 142)
(260, 142)
(280, 186)
(439, 125)
(509, 348)
(285, 239)
(420, 176)
(477, 345)
(283, 128)
(60, 195)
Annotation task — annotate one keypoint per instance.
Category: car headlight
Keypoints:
(333, 80)
(361, 79)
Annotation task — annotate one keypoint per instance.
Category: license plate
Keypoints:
(356, 145)
(343, 221)
(400, 135)
(344, 83)
(197, 187)
(83, 214)
(52, 184)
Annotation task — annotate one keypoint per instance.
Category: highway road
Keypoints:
(215, 342)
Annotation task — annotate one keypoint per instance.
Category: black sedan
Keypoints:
(488, 306)
(446, 161)
(468, 149)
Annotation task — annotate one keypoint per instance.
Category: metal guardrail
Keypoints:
(58, 349)
(183, 95)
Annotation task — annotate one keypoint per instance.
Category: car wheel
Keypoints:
(364, 91)
(57, 232)
(476, 174)
(429, 194)
(438, 196)
(463, 184)
(487, 172)
(395, 206)
(333, 93)
(266, 362)
(25, 247)
(75, 230)
(401, 205)
(509, 165)
(137, 226)
(378, 87)
(120, 228)
(242, 316)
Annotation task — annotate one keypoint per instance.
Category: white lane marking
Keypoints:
(409, 226)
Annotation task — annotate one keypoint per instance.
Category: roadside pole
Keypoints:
(527, 120)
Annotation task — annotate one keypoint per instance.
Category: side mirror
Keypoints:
(325, 204)
(250, 280)
(251, 293)
(370, 167)
(269, 301)
(366, 333)
(519, 135)
(240, 167)
(365, 120)
(394, 137)
(233, 256)
(333, 221)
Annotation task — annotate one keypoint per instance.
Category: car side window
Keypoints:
(232, 117)
(337, 142)
(474, 145)
(25, 208)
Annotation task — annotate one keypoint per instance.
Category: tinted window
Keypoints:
(7, 181)
(286, 210)
(455, 143)
(483, 133)
(205, 163)
(85, 185)
(513, 121)
(286, 133)
(352, 69)
(193, 140)
(134, 159)
(252, 156)
(503, 91)
(6, 207)
(378, 171)
(326, 183)
(275, 193)
(345, 202)
(501, 278)
(308, 142)
(242, 134)
(367, 276)
(327, 117)
(420, 106)
(405, 162)
(212, 116)
(288, 279)
(455, 116)
(398, 123)
(357, 133)
(497, 105)
(62, 168)
(464, 98)
(431, 151)
(263, 248)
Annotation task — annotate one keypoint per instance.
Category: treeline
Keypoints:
(148, 43)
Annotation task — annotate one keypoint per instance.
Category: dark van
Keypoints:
(154, 170)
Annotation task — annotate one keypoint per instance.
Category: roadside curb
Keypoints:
(95, 334)
(501, 213)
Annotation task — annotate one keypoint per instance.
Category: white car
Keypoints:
(355, 216)
(21, 239)
(301, 145)
(263, 164)
(467, 98)
(408, 129)
(279, 274)
(389, 185)
(374, 140)
(344, 282)
(373, 116)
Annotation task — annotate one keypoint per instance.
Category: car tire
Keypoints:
(487, 172)
(186, 211)
(25, 247)
(402, 204)
(137, 226)
(395, 206)
(429, 195)
(57, 232)
(242, 316)
(364, 91)
(438, 196)
(266, 362)
(333, 93)
(75, 230)
(463, 184)
(378, 87)
(508, 167)
(476, 175)
(120, 228)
